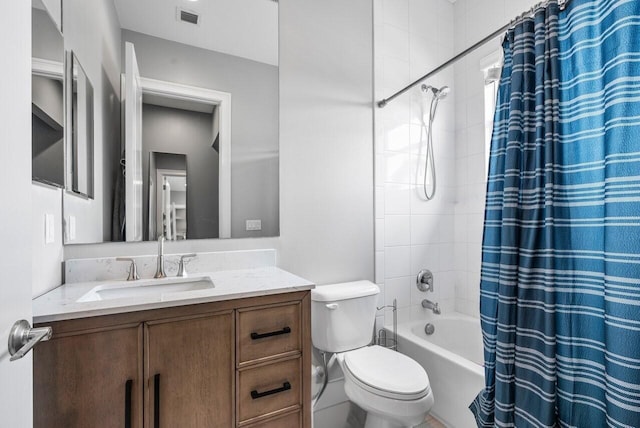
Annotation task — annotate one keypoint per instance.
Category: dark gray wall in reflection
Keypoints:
(168, 130)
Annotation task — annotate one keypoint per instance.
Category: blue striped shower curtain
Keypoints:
(560, 284)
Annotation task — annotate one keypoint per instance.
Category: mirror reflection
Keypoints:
(81, 114)
(167, 187)
(47, 91)
(174, 141)
(199, 88)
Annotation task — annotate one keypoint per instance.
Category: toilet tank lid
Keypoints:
(344, 291)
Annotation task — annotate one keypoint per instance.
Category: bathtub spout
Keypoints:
(428, 304)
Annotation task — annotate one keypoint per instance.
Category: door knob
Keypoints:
(23, 338)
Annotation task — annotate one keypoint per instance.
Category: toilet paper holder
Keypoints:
(382, 338)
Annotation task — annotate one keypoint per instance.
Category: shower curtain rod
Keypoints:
(385, 101)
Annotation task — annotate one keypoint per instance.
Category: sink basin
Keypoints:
(146, 288)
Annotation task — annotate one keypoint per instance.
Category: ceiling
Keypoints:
(244, 28)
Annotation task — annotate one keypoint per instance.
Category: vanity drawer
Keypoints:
(292, 420)
(268, 332)
(266, 389)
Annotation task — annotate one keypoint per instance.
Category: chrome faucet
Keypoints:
(160, 265)
(428, 304)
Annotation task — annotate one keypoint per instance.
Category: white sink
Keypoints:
(146, 288)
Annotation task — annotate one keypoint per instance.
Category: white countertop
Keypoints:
(61, 303)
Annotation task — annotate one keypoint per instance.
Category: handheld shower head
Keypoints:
(440, 94)
(443, 92)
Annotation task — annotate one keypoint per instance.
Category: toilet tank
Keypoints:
(343, 315)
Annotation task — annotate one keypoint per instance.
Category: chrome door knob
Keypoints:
(23, 338)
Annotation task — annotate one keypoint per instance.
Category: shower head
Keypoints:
(438, 93)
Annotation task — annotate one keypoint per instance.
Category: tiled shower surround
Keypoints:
(411, 37)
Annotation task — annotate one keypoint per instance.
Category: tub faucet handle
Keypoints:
(424, 280)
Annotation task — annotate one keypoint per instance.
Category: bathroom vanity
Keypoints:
(234, 355)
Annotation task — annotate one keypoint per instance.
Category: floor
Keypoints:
(431, 422)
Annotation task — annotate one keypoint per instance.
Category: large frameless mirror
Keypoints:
(196, 83)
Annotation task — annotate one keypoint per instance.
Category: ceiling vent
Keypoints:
(188, 16)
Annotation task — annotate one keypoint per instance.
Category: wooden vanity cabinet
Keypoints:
(237, 363)
(189, 372)
(69, 392)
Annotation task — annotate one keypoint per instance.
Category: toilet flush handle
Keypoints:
(332, 306)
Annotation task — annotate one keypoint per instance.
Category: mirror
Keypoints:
(167, 184)
(81, 114)
(199, 90)
(47, 91)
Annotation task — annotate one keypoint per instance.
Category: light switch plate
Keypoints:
(254, 224)
(72, 228)
(49, 229)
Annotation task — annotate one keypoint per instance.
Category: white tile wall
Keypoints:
(411, 37)
(445, 234)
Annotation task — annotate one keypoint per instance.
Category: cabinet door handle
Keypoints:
(156, 401)
(285, 387)
(256, 336)
(128, 386)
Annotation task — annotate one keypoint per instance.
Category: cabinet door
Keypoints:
(89, 380)
(190, 372)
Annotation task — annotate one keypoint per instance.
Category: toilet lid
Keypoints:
(390, 373)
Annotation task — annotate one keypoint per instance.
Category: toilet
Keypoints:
(392, 388)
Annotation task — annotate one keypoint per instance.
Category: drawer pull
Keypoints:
(256, 336)
(285, 387)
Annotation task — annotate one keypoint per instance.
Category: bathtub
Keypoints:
(453, 358)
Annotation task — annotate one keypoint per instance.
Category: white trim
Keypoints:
(491, 60)
(47, 68)
(223, 102)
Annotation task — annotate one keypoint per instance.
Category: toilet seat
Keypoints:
(386, 373)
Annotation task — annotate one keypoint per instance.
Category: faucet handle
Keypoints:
(133, 269)
(424, 280)
(182, 271)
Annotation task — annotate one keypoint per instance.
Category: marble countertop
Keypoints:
(62, 303)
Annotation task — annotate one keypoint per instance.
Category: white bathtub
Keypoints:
(452, 357)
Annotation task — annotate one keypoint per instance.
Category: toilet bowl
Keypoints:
(392, 388)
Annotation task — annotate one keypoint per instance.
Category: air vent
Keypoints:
(188, 17)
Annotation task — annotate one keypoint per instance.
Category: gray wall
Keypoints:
(254, 115)
(169, 130)
(326, 145)
(47, 41)
(92, 32)
(47, 94)
(47, 130)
